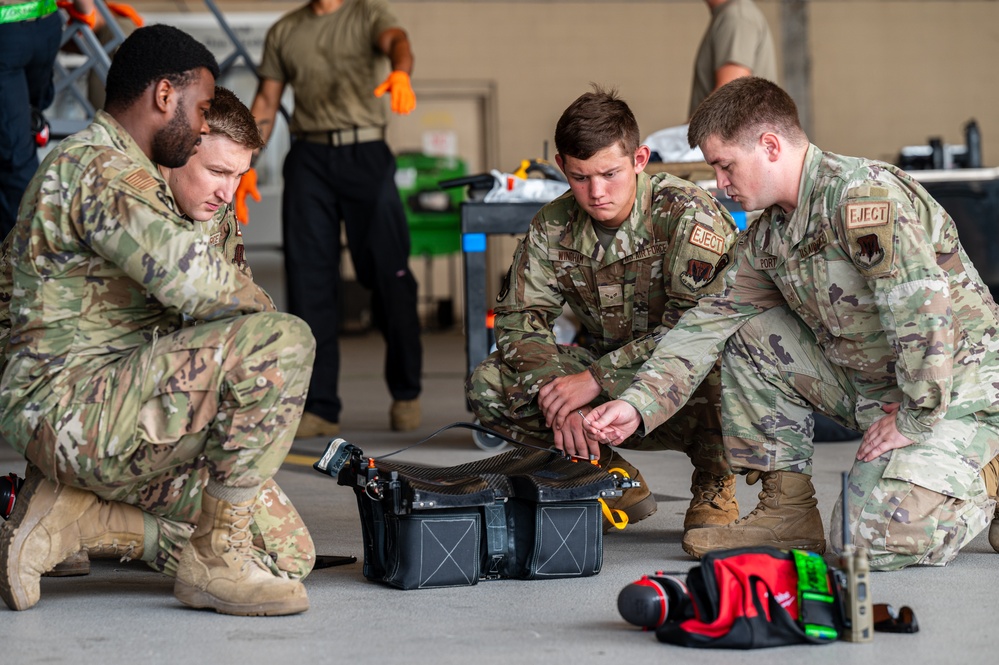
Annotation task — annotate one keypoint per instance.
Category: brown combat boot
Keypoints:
(637, 503)
(713, 502)
(49, 523)
(219, 569)
(786, 518)
(404, 415)
(990, 474)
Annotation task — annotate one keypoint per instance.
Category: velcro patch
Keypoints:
(707, 239)
(867, 192)
(863, 214)
(140, 180)
(215, 238)
(870, 236)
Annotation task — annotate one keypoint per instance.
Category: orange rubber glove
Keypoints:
(90, 19)
(247, 187)
(403, 97)
(126, 11)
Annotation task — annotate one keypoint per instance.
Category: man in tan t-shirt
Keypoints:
(335, 54)
(737, 43)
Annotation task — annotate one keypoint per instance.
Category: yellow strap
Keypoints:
(616, 517)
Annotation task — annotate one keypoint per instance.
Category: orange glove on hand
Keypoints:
(403, 97)
(126, 11)
(90, 19)
(247, 187)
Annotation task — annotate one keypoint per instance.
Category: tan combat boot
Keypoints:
(312, 425)
(219, 569)
(74, 565)
(713, 502)
(637, 503)
(990, 474)
(51, 522)
(786, 518)
(405, 415)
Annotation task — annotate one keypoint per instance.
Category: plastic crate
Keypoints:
(432, 213)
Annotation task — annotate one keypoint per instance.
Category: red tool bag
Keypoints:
(757, 597)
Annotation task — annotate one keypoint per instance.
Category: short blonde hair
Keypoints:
(230, 118)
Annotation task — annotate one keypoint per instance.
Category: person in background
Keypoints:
(30, 33)
(736, 43)
(335, 54)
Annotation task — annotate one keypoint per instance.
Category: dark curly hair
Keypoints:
(150, 54)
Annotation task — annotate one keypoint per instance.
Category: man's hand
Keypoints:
(562, 396)
(612, 423)
(882, 436)
(247, 187)
(403, 97)
(84, 12)
(572, 437)
(126, 11)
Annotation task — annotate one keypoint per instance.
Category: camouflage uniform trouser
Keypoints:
(218, 400)
(774, 375)
(694, 430)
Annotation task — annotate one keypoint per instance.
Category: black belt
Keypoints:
(339, 137)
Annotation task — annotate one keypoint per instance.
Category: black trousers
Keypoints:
(27, 56)
(355, 184)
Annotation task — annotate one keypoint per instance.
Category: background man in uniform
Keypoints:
(628, 253)
(333, 54)
(850, 295)
(737, 43)
(30, 33)
(108, 388)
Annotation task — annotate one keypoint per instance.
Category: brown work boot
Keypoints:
(220, 569)
(405, 415)
(49, 523)
(713, 502)
(637, 503)
(990, 474)
(74, 565)
(312, 425)
(787, 518)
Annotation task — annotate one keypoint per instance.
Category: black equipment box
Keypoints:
(524, 514)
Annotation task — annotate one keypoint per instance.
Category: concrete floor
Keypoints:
(126, 612)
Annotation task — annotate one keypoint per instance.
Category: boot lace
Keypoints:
(114, 546)
(769, 491)
(707, 488)
(239, 537)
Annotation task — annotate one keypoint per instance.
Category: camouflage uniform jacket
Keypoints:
(872, 264)
(664, 256)
(104, 265)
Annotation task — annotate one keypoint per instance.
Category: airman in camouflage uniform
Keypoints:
(851, 295)
(138, 353)
(670, 249)
(277, 526)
